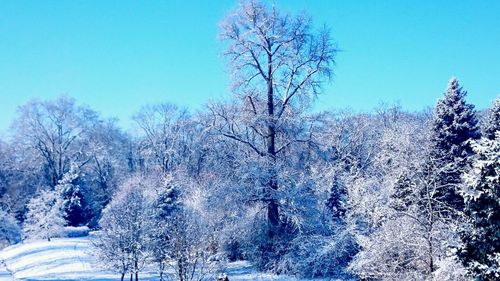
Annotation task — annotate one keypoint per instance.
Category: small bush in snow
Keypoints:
(45, 219)
(76, 231)
(318, 256)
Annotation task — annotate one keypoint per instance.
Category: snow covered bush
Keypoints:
(45, 218)
(450, 269)
(319, 256)
(402, 249)
(76, 231)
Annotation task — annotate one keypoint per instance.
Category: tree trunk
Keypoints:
(162, 269)
(136, 265)
(180, 265)
(272, 207)
(122, 277)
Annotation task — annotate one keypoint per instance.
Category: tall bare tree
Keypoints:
(55, 131)
(277, 63)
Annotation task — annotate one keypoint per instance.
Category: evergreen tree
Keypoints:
(337, 199)
(481, 193)
(166, 202)
(492, 122)
(165, 207)
(403, 195)
(73, 202)
(454, 124)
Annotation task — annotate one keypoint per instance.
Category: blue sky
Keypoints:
(118, 55)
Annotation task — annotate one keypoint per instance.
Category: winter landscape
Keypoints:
(272, 180)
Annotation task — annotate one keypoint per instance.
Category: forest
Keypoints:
(260, 177)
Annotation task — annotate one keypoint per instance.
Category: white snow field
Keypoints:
(59, 259)
(5, 275)
(70, 259)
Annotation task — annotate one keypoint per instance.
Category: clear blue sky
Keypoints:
(118, 55)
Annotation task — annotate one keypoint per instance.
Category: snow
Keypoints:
(5, 274)
(59, 259)
(70, 259)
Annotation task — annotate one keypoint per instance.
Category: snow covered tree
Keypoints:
(182, 236)
(404, 193)
(20, 177)
(403, 248)
(45, 217)
(397, 219)
(55, 131)
(164, 139)
(277, 65)
(51, 136)
(492, 122)
(454, 125)
(337, 199)
(10, 232)
(189, 246)
(122, 243)
(412, 236)
(481, 192)
(73, 202)
(100, 177)
(165, 208)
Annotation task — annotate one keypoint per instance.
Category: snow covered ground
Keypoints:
(70, 259)
(60, 259)
(5, 274)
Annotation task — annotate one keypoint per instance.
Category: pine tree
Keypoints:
(166, 202)
(73, 202)
(454, 124)
(45, 218)
(481, 193)
(492, 122)
(337, 199)
(403, 195)
(165, 207)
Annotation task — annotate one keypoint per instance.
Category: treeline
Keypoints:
(387, 195)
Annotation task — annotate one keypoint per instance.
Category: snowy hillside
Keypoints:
(66, 258)
(70, 259)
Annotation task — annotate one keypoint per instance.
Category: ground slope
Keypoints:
(70, 259)
(59, 259)
(5, 274)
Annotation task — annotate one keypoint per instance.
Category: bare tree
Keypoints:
(277, 64)
(163, 143)
(55, 130)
